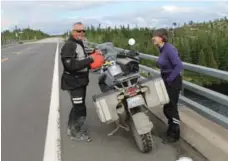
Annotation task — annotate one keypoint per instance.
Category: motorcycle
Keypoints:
(126, 97)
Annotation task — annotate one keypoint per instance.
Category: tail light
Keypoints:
(132, 91)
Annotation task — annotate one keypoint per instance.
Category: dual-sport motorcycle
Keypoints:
(126, 97)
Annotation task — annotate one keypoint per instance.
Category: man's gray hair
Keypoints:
(78, 23)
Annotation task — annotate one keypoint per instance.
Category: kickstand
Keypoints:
(114, 131)
(126, 127)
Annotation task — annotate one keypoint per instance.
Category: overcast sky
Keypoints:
(56, 17)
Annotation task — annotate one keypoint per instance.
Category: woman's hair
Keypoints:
(163, 33)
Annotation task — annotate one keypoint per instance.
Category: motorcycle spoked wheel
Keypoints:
(144, 142)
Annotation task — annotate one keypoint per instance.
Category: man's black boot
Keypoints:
(77, 132)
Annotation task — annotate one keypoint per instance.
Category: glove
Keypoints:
(98, 60)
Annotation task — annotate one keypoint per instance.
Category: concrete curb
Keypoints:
(210, 139)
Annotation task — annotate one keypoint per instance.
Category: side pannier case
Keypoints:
(105, 105)
(156, 94)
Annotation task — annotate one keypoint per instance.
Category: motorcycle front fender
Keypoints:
(142, 123)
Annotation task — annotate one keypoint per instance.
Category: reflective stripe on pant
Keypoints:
(78, 111)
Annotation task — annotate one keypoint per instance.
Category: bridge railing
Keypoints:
(210, 94)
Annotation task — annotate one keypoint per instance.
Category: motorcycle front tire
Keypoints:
(144, 142)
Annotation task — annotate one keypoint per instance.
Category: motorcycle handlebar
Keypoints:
(111, 53)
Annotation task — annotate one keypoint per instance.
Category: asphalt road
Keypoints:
(27, 72)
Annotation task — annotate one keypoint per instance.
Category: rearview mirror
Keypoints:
(131, 41)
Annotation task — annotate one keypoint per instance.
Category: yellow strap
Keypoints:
(107, 63)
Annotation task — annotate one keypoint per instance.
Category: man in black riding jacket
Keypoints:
(76, 60)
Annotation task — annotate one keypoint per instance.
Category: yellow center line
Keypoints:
(4, 59)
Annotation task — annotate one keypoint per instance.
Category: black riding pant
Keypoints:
(78, 111)
(171, 110)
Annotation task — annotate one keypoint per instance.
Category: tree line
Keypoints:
(22, 34)
(203, 43)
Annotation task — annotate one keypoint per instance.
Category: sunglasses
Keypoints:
(80, 31)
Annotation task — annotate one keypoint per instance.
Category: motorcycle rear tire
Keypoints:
(144, 142)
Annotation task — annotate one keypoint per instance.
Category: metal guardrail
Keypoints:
(215, 96)
(223, 75)
(8, 42)
(216, 117)
(210, 94)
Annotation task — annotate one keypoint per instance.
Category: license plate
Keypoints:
(135, 101)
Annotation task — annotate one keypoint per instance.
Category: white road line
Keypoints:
(52, 151)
